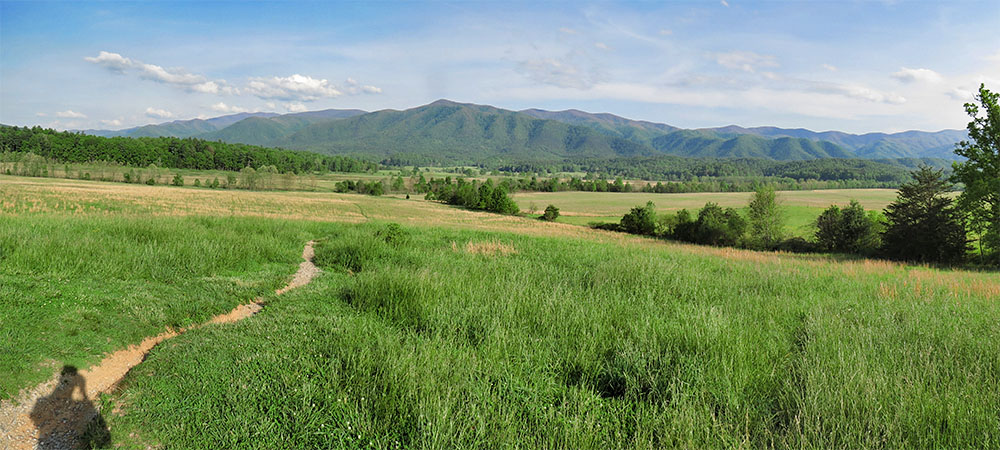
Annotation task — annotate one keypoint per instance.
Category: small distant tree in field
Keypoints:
(230, 180)
(848, 230)
(640, 220)
(551, 213)
(980, 172)
(765, 218)
(178, 180)
(197, 182)
(215, 183)
(923, 224)
(249, 178)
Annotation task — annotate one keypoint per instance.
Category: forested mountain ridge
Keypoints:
(447, 132)
(906, 144)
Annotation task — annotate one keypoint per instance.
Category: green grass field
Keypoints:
(470, 330)
(801, 208)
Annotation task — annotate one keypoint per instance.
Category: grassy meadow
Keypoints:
(470, 330)
(801, 208)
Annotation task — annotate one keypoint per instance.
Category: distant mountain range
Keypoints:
(447, 131)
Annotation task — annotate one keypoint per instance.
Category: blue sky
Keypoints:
(855, 66)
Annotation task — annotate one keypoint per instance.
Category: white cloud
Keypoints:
(567, 30)
(111, 61)
(158, 113)
(296, 107)
(353, 87)
(271, 105)
(959, 94)
(602, 46)
(830, 67)
(70, 114)
(745, 61)
(112, 122)
(176, 77)
(907, 75)
(295, 87)
(222, 107)
(724, 3)
(666, 32)
(41, 114)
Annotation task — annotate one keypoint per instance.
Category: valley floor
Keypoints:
(472, 330)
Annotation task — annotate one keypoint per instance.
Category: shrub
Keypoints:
(717, 226)
(551, 213)
(178, 180)
(640, 220)
(796, 245)
(393, 233)
(197, 182)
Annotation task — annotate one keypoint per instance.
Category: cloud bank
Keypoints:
(299, 88)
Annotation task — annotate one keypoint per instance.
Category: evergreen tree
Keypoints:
(551, 213)
(848, 230)
(923, 224)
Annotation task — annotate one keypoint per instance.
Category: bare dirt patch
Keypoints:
(60, 413)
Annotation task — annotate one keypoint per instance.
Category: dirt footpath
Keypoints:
(60, 413)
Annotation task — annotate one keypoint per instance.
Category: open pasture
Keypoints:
(467, 329)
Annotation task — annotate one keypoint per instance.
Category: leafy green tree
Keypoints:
(640, 220)
(848, 230)
(765, 216)
(551, 213)
(717, 226)
(980, 172)
(684, 226)
(178, 180)
(923, 224)
(249, 178)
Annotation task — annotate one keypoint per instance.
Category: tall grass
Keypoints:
(432, 340)
(75, 287)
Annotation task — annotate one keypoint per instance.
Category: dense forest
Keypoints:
(187, 153)
(887, 173)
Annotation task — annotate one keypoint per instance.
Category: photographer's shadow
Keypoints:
(67, 419)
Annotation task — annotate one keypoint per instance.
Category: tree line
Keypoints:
(169, 152)
(923, 225)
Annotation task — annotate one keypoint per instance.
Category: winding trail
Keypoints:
(63, 406)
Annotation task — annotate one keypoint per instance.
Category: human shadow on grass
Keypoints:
(67, 419)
